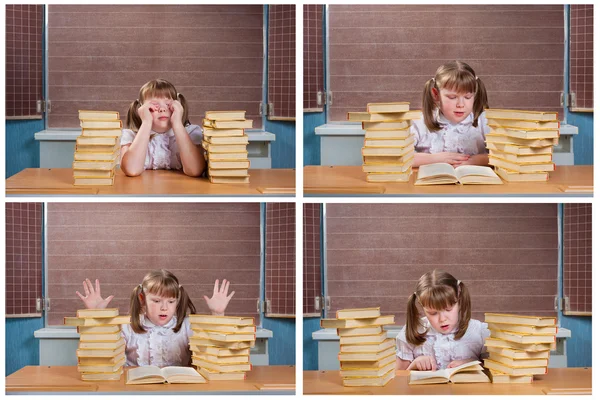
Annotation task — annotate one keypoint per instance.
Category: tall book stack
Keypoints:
(226, 144)
(97, 149)
(520, 143)
(388, 150)
(367, 357)
(221, 346)
(101, 351)
(519, 346)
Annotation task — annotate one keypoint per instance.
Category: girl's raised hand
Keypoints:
(219, 300)
(423, 363)
(176, 112)
(93, 298)
(145, 111)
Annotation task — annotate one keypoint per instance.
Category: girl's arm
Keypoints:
(133, 156)
(93, 298)
(191, 155)
(402, 364)
(478, 159)
(454, 159)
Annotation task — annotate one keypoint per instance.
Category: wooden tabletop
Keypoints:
(558, 380)
(351, 180)
(57, 379)
(59, 181)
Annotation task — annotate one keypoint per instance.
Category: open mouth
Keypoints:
(162, 316)
(163, 118)
(444, 327)
(459, 113)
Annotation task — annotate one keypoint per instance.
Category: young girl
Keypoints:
(453, 126)
(160, 329)
(160, 135)
(446, 336)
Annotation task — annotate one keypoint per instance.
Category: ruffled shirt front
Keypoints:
(461, 138)
(442, 346)
(163, 150)
(159, 345)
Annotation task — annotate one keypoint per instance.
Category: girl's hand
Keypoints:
(145, 111)
(457, 363)
(93, 298)
(454, 159)
(424, 363)
(176, 112)
(219, 300)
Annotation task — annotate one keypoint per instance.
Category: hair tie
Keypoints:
(433, 80)
(476, 78)
(141, 287)
(179, 286)
(458, 283)
(178, 97)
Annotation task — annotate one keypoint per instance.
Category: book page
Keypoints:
(148, 371)
(422, 375)
(470, 366)
(437, 169)
(465, 170)
(182, 375)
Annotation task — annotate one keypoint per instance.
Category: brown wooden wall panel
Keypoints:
(311, 258)
(280, 259)
(313, 57)
(23, 64)
(581, 57)
(381, 53)
(23, 231)
(119, 243)
(577, 258)
(507, 254)
(100, 55)
(282, 61)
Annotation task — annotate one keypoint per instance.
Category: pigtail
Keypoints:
(184, 104)
(134, 121)
(464, 313)
(135, 309)
(183, 305)
(413, 322)
(429, 106)
(481, 101)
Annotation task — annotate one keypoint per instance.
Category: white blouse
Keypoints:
(444, 347)
(159, 345)
(163, 150)
(461, 138)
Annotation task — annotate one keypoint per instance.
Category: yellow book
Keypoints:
(535, 143)
(370, 117)
(366, 339)
(220, 351)
(511, 176)
(96, 140)
(346, 365)
(101, 124)
(247, 123)
(220, 367)
(388, 168)
(351, 313)
(387, 134)
(241, 156)
(102, 345)
(225, 115)
(402, 124)
(224, 328)
(115, 132)
(224, 360)
(93, 173)
(443, 174)
(223, 148)
(227, 139)
(102, 165)
(383, 159)
(521, 124)
(505, 344)
(356, 323)
(525, 133)
(518, 354)
(380, 355)
(519, 150)
(225, 337)
(493, 365)
(471, 372)
(523, 337)
(96, 115)
(107, 376)
(228, 164)
(521, 114)
(93, 181)
(98, 313)
(388, 151)
(221, 320)
(87, 156)
(99, 337)
(213, 132)
(74, 321)
(368, 330)
(153, 374)
(369, 381)
(389, 142)
(228, 172)
(389, 107)
(100, 353)
(399, 177)
(367, 372)
(525, 329)
(521, 167)
(197, 341)
(219, 376)
(102, 368)
(367, 348)
(98, 148)
(499, 377)
(514, 362)
(99, 329)
(517, 319)
(522, 159)
(100, 360)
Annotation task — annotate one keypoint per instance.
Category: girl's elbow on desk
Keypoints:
(131, 172)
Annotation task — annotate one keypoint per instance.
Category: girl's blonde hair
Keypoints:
(437, 290)
(160, 283)
(459, 77)
(158, 88)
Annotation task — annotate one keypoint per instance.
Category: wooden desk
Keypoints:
(342, 180)
(59, 181)
(561, 380)
(56, 380)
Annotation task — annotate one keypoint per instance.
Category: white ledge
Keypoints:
(69, 135)
(70, 332)
(331, 334)
(355, 129)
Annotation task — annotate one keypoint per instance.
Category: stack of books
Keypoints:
(101, 351)
(221, 346)
(520, 143)
(519, 346)
(389, 147)
(226, 144)
(367, 357)
(97, 150)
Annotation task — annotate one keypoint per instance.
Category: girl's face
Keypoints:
(161, 113)
(453, 105)
(443, 321)
(160, 310)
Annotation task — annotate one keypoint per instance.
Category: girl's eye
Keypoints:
(171, 301)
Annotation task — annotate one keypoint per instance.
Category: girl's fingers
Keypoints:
(230, 296)
(98, 286)
(80, 296)
(206, 299)
(226, 288)
(90, 286)
(216, 289)
(85, 289)
(223, 285)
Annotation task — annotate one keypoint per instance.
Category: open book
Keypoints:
(442, 174)
(471, 372)
(153, 374)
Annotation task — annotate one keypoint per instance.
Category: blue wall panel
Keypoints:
(21, 347)
(22, 150)
(283, 149)
(583, 142)
(312, 144)
(309, 346)
(282, 346)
